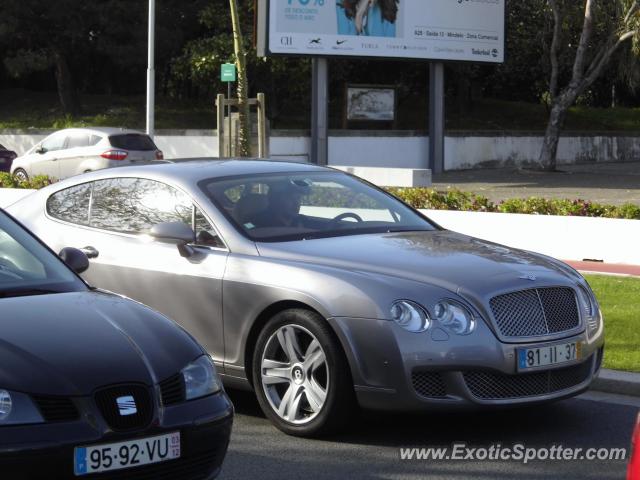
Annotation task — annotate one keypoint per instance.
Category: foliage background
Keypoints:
(104, 45)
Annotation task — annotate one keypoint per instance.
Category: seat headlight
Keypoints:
(590, 309)
(6, 404)
(200, 378)
(18, 409)
(454, 317)
(410, 316)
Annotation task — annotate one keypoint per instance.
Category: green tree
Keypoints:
(98, 44)
(606, 27)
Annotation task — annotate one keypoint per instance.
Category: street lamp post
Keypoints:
(151, 69)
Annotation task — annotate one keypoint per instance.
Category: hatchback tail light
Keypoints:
(115, 154)
(633, 473)
(159, 155)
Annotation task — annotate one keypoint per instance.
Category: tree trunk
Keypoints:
(559, 109)
(244, 140)
(66, 86)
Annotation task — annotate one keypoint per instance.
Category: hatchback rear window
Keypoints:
(132, 141)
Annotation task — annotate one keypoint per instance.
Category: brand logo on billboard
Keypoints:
(340, 42)
(286, 41)
(483, 52)
(315, 41)
(494, 53)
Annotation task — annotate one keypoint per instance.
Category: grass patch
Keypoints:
(619, 299)
(492, 114)
(23, 109)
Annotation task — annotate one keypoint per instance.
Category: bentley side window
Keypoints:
(71, 204)
(206, 236)
(134, 205)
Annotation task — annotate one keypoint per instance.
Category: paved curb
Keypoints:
(614, 381)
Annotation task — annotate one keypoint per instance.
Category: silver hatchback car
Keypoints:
(320, 291)
(79, 150)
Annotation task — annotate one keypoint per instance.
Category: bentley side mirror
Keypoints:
(175, 233)
(75, 259)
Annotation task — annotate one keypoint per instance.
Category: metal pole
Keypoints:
(220, 108)
(151, 74)
(320, 112)
(436, 117)
(262, 131)
(229, 116)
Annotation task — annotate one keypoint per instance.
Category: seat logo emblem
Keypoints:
(126, 405)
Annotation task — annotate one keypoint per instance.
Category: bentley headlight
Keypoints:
(590, 309)
(454, 317)
(200, 378)
(410, 316)
(17, 409)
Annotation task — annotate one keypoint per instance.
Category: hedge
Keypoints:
(451, 199)
(38, 181)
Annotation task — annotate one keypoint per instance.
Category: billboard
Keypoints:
(461, 30)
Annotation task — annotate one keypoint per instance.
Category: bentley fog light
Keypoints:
(454, 317)
(410, 316)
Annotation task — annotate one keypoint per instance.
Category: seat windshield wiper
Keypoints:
(27, 292)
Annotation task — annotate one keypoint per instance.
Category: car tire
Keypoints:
(20, 175)
(312, 395)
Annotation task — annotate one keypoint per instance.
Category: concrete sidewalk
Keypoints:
(606, 268)
(608, 183)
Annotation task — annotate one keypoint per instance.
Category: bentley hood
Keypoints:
(72, 343)
(443, 258)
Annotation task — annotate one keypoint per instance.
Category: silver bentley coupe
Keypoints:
(322, 292)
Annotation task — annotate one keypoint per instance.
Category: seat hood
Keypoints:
(72, 343)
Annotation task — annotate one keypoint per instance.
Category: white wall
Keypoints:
(566, 238)
(181, 146)
(394, 149)
(472, 151)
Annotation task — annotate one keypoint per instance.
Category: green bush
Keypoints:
(452, 199)
(37, 182)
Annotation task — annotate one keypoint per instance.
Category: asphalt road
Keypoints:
(612, 183)
(370, 448)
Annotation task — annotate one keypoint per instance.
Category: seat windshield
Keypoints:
(297, 206)
(28, 268)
